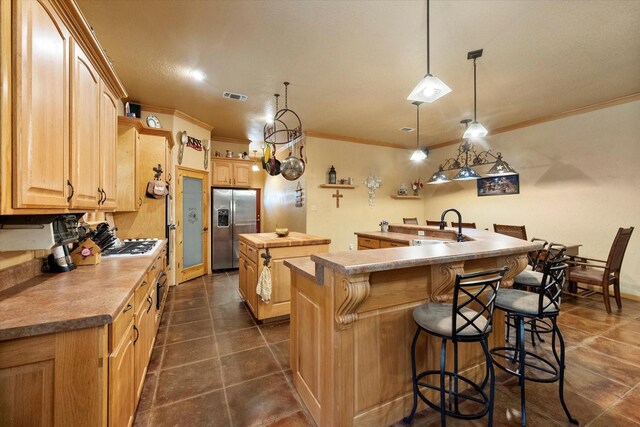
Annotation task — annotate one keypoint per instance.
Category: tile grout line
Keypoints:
(224, 389)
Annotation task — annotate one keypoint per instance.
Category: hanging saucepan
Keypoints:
(273, 166)
(266, 151)
(293, 167)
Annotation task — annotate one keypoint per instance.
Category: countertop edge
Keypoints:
(99, 319)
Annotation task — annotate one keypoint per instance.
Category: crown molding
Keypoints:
(551, 117)
(316, 134)
(230, 140)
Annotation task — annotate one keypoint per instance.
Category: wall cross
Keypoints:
(337, 196)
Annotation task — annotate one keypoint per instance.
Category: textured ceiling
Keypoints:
(352, 64)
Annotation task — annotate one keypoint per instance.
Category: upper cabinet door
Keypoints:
(85, 131)
(242, 175)
(41, 107)
(108, 141)
(222, 173)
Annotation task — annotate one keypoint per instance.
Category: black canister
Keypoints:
(332, 175)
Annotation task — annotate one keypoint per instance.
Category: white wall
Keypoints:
(578, 184)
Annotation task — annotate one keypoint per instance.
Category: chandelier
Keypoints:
(285, 127)
(467, 159)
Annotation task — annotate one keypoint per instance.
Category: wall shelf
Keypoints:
(347, 186)
(395, 196)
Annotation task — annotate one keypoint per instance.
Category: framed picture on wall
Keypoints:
(499, 185)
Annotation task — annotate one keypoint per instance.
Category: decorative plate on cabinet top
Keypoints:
(153, 122)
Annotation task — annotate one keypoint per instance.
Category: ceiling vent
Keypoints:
(236, 96)
(407, 129)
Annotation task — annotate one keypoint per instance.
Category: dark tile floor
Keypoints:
(213, 366)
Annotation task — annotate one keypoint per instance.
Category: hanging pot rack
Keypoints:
(286, 127)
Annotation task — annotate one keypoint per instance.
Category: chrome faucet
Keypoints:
(443, 223)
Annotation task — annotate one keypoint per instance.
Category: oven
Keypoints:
(161, 289)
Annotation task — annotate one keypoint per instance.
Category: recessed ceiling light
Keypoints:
(197, 75)
(407, 129)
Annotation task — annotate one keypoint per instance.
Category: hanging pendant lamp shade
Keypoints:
(430, 88)
(439, 177)
(475, 130)
(501, 168)
(466, 173)
(419, 153)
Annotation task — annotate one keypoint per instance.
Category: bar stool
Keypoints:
(467, 319)
(529, 280)
(523, 306)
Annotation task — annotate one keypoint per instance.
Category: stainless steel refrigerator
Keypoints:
(233, 212)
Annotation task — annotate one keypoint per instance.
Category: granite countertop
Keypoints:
(481, 244)
(303, 265)
(88, 296)
(271, 240)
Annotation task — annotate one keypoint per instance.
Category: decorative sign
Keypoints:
(196, 144)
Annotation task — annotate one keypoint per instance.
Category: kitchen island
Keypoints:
(352, 325)
(256, 249)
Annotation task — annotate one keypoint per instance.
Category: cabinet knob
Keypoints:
(205, 229)
(139, 201)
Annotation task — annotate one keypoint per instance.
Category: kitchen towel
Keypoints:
(264, 285)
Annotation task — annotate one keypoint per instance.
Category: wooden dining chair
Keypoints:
(517, 231)
(434, 223)
(597, 272)
(412, 221)
(464, 224)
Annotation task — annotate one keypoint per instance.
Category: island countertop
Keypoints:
(86, 297)
(478, 244)
(271, 240)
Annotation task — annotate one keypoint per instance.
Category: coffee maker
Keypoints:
(65, 230)
(31, 232)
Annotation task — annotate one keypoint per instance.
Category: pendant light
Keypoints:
(419, 153)
(500, 167)
(430, 88)
(439, 177)
(475, 130)
(466, 172)
(255, 167)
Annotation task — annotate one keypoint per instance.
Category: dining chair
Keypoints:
(412, 221)
(464, 224)
(595, 272)
(434, 223)
(517, 231)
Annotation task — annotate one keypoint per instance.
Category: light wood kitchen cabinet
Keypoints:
(122, 398)
(84, 131)
(50, 120)
(55, 379)
(143, 342)
(108, 141)
(371, 243)
(128, 198)
(231, 172)
(251, 264)
(41, 107)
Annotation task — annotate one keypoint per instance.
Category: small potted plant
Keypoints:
(416, 186)
(384, 225)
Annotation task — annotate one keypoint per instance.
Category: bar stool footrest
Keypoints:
(462, 395)
(500, 354)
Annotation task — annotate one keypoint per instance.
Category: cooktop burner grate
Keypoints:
(133, 248)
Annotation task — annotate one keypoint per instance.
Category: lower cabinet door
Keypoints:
(242, 279)
(122, 397)
(143, 342)
(250, 284)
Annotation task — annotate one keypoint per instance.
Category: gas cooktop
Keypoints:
(134, 247)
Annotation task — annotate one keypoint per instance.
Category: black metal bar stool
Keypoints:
(467, 319)
(525, 306)
(530, 280)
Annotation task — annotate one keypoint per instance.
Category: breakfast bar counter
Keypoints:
(352, 324)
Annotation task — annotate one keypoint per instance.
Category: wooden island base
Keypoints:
(352, 326)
